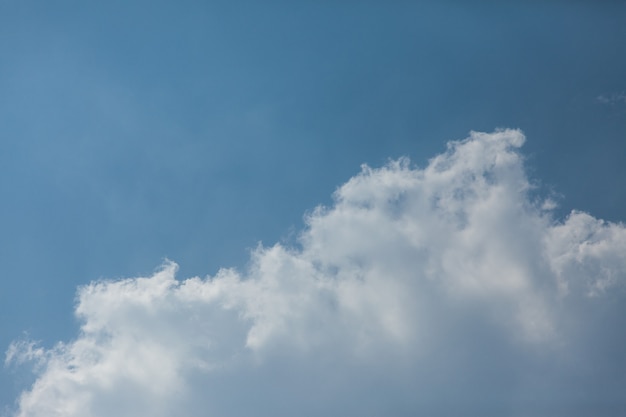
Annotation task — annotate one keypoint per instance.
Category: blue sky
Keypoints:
(132, 132)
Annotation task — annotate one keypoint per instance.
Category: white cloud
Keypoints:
(435, 291)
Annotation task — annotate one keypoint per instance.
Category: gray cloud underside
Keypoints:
(443, 291)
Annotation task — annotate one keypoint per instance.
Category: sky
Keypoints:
(314, 208)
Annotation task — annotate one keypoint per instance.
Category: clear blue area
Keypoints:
(131, 131)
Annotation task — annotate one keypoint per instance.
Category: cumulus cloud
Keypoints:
(445, 290)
